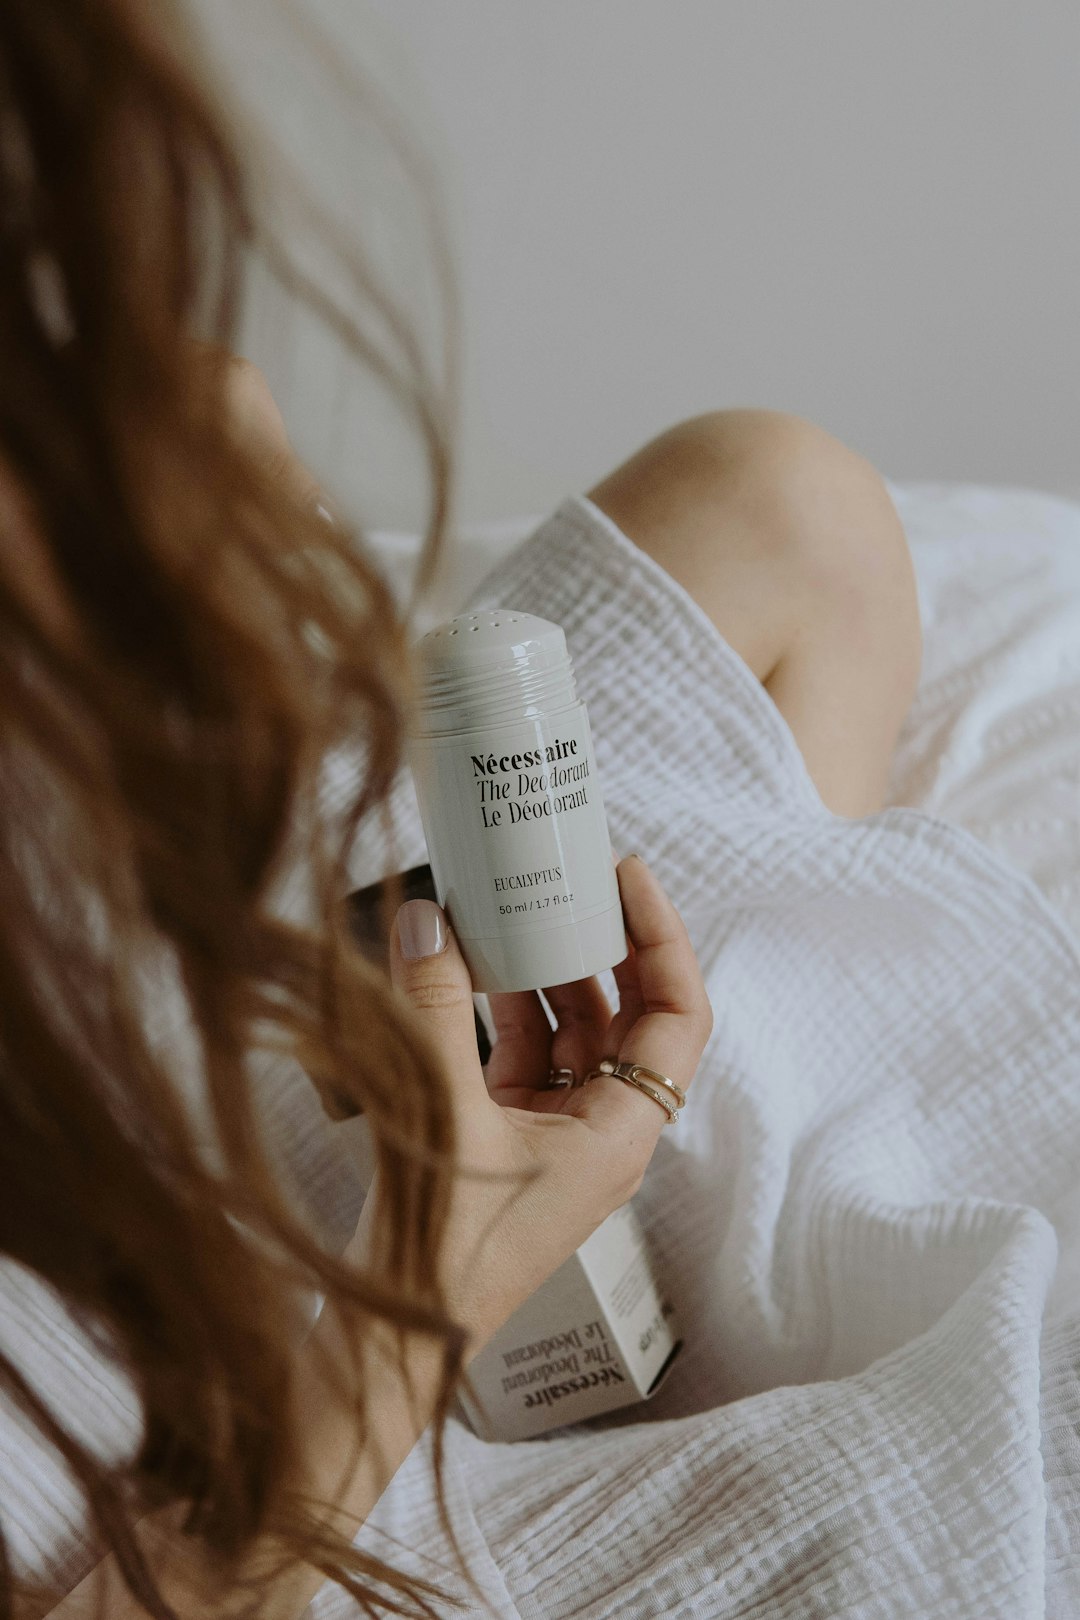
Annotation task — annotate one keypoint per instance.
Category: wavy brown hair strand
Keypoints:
(182, 640)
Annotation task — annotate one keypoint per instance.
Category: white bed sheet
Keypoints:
(993, 739)
(992, 745)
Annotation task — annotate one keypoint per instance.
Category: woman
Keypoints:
(184, 640)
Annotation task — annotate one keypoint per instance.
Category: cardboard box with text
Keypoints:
(598, 1335)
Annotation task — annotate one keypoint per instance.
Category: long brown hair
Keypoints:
(182, 640)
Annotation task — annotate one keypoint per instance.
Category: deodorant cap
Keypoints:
(484, 669)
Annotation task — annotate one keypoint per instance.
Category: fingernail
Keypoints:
(634, 856)
(422, 929)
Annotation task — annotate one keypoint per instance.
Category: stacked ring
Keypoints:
(558, 1079)
(648, 1081)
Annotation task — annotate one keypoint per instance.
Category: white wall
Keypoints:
(865, 211)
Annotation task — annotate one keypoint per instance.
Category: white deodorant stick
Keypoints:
(510, 801)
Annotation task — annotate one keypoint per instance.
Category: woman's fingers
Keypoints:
(583, 1019)
(521, 1055)
(429, 969)
(664, 1018)
(631, 1003)
(663, 1022)
(527, 1049)
(674, 1017)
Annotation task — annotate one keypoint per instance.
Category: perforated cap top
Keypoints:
(495, 636)
(495, 665)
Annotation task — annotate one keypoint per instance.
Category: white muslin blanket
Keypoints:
(868, 1216)
(863, 1210)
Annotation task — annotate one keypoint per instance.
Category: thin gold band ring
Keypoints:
(659, 1087)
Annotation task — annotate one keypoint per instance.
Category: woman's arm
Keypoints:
(553, 1165)
(332, 1469)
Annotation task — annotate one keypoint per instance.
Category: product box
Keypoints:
(599, 1334)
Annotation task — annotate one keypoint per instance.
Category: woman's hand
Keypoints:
(570, 1156)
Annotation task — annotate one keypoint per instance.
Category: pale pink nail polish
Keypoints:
(421, 929)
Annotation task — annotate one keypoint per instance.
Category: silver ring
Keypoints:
(560, 1079)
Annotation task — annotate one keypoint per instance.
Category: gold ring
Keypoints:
(658, 1087)
(638, 1071)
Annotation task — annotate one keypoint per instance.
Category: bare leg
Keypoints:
(790, 543)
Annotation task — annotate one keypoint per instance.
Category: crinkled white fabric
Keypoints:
(859, 1212)
(992, 739)
(869, 1215)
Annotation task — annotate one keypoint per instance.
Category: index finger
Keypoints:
(664, 1016)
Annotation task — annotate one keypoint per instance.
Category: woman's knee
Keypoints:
(829, 517)
(790, 542)
(778, 530)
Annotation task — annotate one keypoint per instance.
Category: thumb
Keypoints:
(429, 969)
